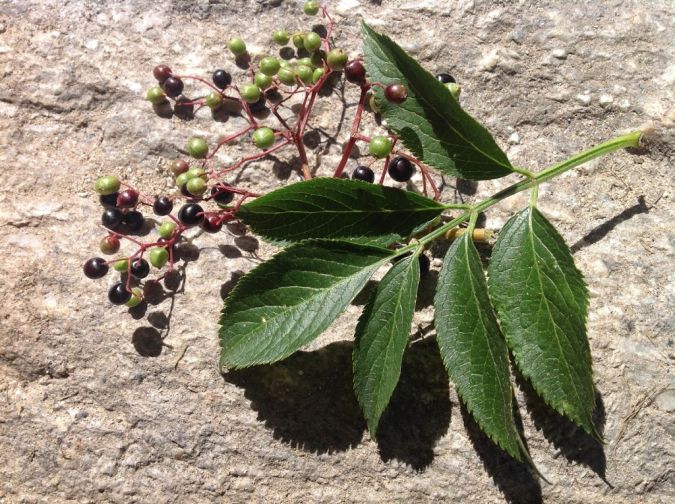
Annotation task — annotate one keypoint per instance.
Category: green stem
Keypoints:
(621, 142)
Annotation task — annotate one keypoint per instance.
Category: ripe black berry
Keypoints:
(108, 200)
(445, 78)
(127, 198)
(425, 264)
(191, 214)
(111, 218)
(140, 268)
(221, 194)
(221, 78)
(162, 206)
(400, 169)
(96, 267)
(173, 87)
(161, 73)
(212, 223)
(355, 72)
(133, 220)
(118, 294)
(396, 93)
(364, 173)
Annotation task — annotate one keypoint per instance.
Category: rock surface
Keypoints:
(98, 405)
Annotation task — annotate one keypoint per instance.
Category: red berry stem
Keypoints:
(356, 124)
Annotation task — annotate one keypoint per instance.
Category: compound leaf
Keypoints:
(381, 338)
(430, 122)
(542, 302)
(472, 347)
(289, 300)
(338, 209)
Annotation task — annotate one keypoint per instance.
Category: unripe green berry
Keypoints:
(312, 41)
(107, 185)
(311, 8)
(336, 59)
(195, 173)
(305, 61)
(263, 81)
(181, 179)
(196, 186)
(455, 89)
(317, 74)
(237, 46)
(121, 265)
(285, 64)
(155, 95)
(280, 37)
(136, 297)
(158, 256)
(197, 147)
(304, 73)
(250, 93)
(263, 138)
(214, 100)
(299, 41)
(318, 58)
(166, 229)
(286, 76)
(380, 147)
(269, 65)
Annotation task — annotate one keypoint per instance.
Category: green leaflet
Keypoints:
(338, 209)
(472, 346)
(542, 303)
(382, 336)
(289, 300)
(431, 123)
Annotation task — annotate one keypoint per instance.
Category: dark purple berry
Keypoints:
(191, 214)
(108, 200)
(127, 198)
(425, 264)
(118, 294)
(400, 169)
(364, 173)
(161, 73)
(222, 194)
(396, 93)
(212, 223)
(221, 78)
(140, 268)
(96, 267)
(355, 72)
(111, 218)
(445, 78)
(162, 206)
(173, 87)
(133, 220)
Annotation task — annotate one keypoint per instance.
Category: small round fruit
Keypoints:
(286, 76)
(140, 268)
(237, 46)
(263, 81)
(355, 72)
(111, 218)
(364, 173)
(396, 93)
(445, 78)
(222, 194)
(133, 220)
(181, 179)
(212, 223)
(455, 89)
(214, 100)
(127, 199)
(269, 65)
(96, 267)
(158, 256)
(155, 95)
(311, 41)
(305, 61)
(136, 297)
(250, 93)
(166, 229)
(162, 206)
(173, 87)
(400, 169)
(161, 73)
(178, 166)
(121, 265)
(221, 78)
(299, 41)
(197, 147)
(317, 58)
(107, 185)
(280, 37)
(304, 73)
(380, 147)
(118, 294)
(191, 214)
(311, 8)
(108, 200)
(425, 264)
(196, 186)
(263, 138)
(109, 245)
(317, 74)
(195, 172)
(336, 59)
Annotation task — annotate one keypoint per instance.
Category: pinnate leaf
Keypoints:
(338, 209)
(472, 347)
(542, 302)
(381, 338)
(291, 299)
(430, 122)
